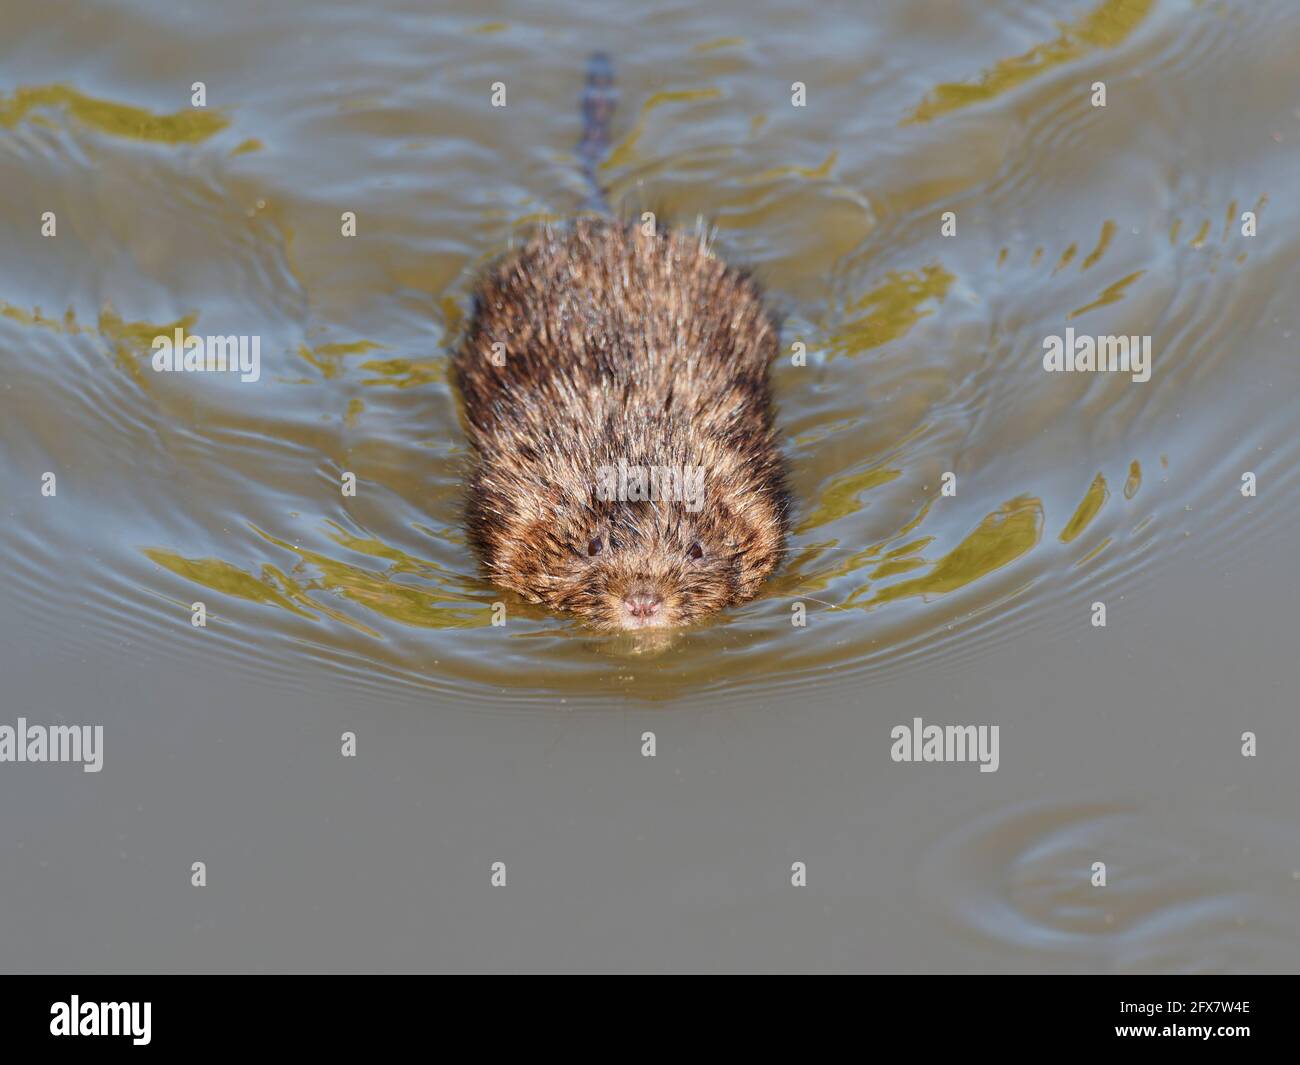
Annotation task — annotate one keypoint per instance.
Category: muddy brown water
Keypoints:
(522, 743)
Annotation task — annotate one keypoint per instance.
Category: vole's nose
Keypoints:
(642, 605)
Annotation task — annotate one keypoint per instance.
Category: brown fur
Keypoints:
(621, 346)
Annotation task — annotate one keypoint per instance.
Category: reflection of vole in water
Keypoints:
(625, 464)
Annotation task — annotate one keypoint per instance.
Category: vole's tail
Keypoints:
(598, 100)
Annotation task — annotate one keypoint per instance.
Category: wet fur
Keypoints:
(621, 346)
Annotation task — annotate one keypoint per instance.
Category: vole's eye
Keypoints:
(594, 547)
(695, 552)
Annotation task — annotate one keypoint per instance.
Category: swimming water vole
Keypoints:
(618, 405)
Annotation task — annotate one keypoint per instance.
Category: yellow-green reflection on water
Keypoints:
(895, 305)
(1134, 481)
(841, 497)
(129, 342)
(187, 126)
(318, 572)
(272, 588)
(812, 173)
(998, 540)
(1105, 543)
(716, 44)
(1096, 495)
(625, 151)
(1103, 242)
(329, 358)
(1111, 294)
(1106, 26)
(404, 373)
(404, 603)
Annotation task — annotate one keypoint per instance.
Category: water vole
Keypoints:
(617, 401)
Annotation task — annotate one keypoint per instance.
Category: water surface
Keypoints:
(522, 743)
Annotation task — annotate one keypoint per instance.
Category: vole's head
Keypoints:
(652, 564)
